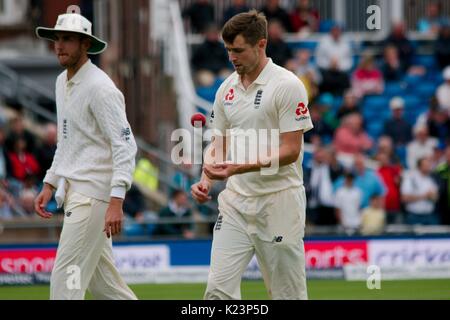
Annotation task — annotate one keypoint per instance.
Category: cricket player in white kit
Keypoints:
(92, 167)
(258, 213)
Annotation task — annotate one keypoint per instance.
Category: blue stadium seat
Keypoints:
(412, 102)
(428, 61)
(376, 102)
(133, 230)
(394, 88)
(310, 45)
(435, 77)
(412, 81)
(326, 25)
(425, 90)
(375, 128)
(337, 103)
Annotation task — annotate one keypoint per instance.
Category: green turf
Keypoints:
(254, 290)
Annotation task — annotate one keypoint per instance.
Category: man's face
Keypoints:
(69, 48)
(243, 56)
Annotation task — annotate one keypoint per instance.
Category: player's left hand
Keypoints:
(220, 171)
(114, 218)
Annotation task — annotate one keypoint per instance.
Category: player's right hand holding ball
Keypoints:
(200, 191)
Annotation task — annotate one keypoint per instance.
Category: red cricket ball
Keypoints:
(198, 118)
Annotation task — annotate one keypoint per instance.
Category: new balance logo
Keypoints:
(68, 214)
(277, 239)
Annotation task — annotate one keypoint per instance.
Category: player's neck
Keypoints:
(247, 79)
(72, 70)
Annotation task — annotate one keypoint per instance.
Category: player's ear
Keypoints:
(262, 43)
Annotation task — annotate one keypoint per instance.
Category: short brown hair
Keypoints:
(251, 25)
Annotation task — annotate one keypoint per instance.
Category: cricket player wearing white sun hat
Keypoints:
(92, 167)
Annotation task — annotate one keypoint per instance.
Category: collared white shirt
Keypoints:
(96, 149)
(277, 100)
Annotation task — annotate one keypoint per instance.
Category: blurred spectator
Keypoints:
(211, 54)
(46, 151)
(273, 11)
(277, 48)
(442, 176)
(433, 20)
(307, 72)
(420, 194)
(5, 165)
(134, 204)
(237, 6)
(386, 145)
(368, 182)
(438, 157)
(367, 79)
(335, 59)
(398, 39)
(322, 132)
(393, 67)
(398, 129)
(442, 46)
(17, 129)
(390, 173)
(178, 208)
(347, 203)
(349, 105)
(304, 18)
(326, 102)
(23, 163)
(26, 200)
(373, 218)
(184, 178)
(350, 137)
(319, 187)
(443, 92)
(438, 123)
(146, 174)
(5, 208)
(201, 14)
(421, 147)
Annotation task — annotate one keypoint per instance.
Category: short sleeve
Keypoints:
(292, 104)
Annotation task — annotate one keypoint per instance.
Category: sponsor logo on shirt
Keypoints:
(229, 98)
(258, 99)
(301, 113)
(277, 239)
(211, 120)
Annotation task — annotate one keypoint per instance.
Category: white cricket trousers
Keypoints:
(272, 227)
(84, 260)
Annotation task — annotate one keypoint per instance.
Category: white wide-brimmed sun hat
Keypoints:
(76, 23)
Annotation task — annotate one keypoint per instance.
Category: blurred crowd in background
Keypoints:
(380, 149)
(382, 104)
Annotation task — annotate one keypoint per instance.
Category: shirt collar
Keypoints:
(263, 77)
(81, 73)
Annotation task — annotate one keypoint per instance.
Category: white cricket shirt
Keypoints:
(96, 149)
(278, 100)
